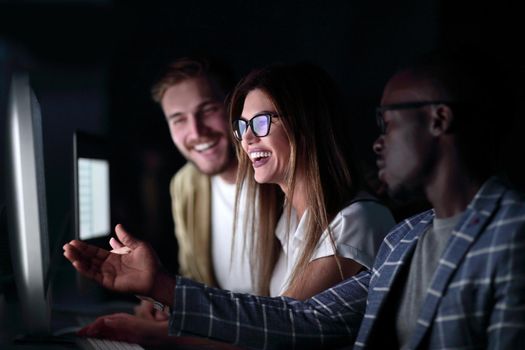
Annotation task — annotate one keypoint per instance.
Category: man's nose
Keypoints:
(379, 144)
(197, 127)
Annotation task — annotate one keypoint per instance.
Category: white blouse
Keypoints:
(358, 231)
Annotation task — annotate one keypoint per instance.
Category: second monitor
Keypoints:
(92, 186)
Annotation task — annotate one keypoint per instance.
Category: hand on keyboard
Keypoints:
(132, 329)
(128, 328)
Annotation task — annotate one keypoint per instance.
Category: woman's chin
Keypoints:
(262, 179)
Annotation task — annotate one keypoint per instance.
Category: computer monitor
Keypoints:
(26, 206)
(92, 187)
(28, 229)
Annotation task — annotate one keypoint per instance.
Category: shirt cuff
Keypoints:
(345, 251)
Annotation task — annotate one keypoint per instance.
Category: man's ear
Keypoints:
(442, 120)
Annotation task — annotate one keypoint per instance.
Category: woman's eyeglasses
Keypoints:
(260, 125)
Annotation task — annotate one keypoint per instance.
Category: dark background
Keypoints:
(92, 64)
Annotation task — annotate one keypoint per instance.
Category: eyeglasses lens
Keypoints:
(239, 128)
(260, 125)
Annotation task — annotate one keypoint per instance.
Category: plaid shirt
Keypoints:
(475, 300)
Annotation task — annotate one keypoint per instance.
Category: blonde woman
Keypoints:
(315, 225)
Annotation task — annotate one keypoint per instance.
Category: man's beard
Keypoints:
(406, 193)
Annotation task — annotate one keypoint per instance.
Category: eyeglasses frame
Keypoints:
(249, 124)
(399, 106)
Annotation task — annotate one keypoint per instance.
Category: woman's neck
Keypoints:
(298, 198)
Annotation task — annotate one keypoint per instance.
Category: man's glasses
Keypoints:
(397, 106)
(260, 125)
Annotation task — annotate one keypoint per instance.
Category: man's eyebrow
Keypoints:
(199, 106)
(208, 102)
(174, 115)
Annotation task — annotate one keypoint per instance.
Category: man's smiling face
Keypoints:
(198, 125)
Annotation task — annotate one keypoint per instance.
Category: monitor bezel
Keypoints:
(26, 205)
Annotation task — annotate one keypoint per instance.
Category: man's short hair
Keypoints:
(187, 68)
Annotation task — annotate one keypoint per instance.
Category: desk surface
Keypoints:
(11, 326)
(73, 297)
(64, 315)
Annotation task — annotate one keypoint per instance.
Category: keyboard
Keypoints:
(103, 344)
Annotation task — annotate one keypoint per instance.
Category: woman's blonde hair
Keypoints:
(309, 106)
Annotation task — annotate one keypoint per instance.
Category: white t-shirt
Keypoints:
(358, 231)
(232, 273)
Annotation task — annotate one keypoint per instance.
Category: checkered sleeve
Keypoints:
(331, 318)
(507, 320)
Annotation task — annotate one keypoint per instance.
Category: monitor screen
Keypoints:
(93, 198)
(26, 205)
(92, 189)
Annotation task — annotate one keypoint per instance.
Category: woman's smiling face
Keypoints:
(270, 155)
